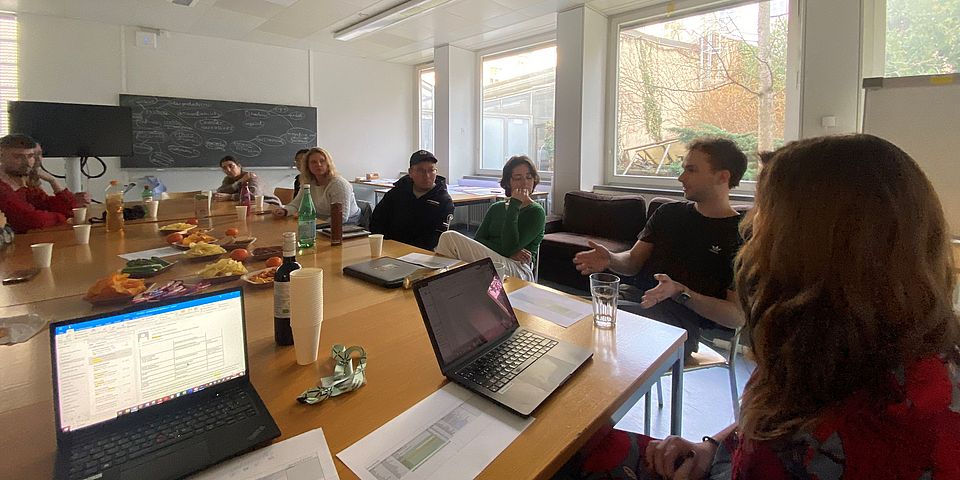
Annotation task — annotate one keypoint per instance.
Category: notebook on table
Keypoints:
(155, 392)
(479, 342)
(384, 271)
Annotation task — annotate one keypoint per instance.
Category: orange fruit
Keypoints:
(232, 232)
(174, 238)
(240, 254)
(193, 221)
(273, 262)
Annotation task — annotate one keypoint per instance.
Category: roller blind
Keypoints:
(8, 67)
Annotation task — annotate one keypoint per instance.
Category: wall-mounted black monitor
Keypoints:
(75, 130)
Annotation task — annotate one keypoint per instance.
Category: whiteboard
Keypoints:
(921, 115)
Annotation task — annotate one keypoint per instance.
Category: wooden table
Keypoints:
(402, 368)
(169, 211)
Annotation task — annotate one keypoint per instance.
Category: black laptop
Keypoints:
(384, 271)
(480, 344)
(155, 392)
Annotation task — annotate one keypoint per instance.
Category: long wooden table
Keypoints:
(402, 369)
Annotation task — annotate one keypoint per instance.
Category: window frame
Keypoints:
(499, 51)
(648, 16)
(418, 113)
(13, 63)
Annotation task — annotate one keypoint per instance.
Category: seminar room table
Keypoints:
(169, 211)
(402, 368)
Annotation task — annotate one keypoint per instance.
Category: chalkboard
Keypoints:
(183, 132)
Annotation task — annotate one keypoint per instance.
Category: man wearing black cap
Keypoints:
(416, 210)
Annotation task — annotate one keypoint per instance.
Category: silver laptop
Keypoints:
(480, 345)
(155, 392)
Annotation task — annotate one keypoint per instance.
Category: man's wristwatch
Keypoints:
(683, 297)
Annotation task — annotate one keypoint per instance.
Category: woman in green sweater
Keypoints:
(511, 232)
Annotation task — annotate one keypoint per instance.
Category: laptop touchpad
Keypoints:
(179, 461)
(546, 373)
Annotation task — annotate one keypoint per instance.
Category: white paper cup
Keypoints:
(241, 212)
(306, 312)
(79, 215)
(306, 343)
(42, 254)
(376, 245)
(152, 207)
(258, 201)
(82, 233)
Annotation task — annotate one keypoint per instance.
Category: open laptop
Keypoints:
(384, 271)
(156, 391)
(480, 344)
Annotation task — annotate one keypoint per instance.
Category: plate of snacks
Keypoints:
(116, 289)
(176, 227)
(200, 252)
(260, 278)
(233, 243)
(223, 270)
(171, 289)
(146, 267)
(262, 253)
(183, 242)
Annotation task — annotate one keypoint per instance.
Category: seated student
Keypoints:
(511, 231)
(415, 210)
(326, 188)
(298, 162)
(684, 255)
(24, 203)
(38, 174)
(234, 180)
(847, 301)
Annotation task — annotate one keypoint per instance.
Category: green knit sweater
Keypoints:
(507, 228)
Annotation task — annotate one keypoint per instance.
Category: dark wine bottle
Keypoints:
(282, 333)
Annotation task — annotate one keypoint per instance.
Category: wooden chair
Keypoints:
(284, 194)
(179, 195)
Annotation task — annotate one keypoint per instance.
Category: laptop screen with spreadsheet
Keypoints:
(115, 364)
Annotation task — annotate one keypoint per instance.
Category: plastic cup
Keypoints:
(79, 215)
(258, 201)
(306, 343)
(82, 233)
(152, 207)
(42, 254)
(306, 312)
(604, 290)
(241, 212)
(376, 245)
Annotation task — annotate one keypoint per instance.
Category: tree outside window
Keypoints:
(922, 37)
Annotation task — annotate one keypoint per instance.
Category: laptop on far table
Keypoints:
(384, 271)
(479, 342)
(155, 392)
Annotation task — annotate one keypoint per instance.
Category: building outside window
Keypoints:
(427, 80)
(718, 73)
(8, 67)
(922, 37)
(518, 99)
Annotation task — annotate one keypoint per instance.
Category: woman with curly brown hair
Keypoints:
(847, 299)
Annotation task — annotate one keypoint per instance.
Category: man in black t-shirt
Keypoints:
(684, 255)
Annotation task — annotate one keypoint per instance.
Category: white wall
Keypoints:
(455, 112)
(365, 107)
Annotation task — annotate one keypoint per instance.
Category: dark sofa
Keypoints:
(611, 221)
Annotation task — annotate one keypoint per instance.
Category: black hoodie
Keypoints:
(415, 221)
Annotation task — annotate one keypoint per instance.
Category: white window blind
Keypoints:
(8, 67)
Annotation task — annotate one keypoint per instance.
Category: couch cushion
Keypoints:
(578, 242)
(614, 217)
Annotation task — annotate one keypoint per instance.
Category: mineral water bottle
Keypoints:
(146, 194)
(306, 220)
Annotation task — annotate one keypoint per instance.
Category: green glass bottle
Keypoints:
(306, 220)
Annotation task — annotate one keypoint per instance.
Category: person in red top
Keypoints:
(26, 205)
(848, 306)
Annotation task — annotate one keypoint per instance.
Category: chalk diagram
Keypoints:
(173, 132)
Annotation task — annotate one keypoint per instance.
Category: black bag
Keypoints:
(135, 212)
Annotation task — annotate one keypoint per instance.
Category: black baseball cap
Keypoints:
(422, 156)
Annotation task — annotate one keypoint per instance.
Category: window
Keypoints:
(922, 37)
(427, 80)
(8, 67)
(718, 73)
(517, 99)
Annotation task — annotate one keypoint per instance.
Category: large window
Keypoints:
(427, 80)
(517, 98)
(8, 67)
(720, 73)
(922, 37)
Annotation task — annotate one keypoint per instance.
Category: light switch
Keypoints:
(146, 39)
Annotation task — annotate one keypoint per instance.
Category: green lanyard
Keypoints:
(345, 377)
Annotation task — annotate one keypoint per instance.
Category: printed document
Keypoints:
(560, 309)
(304, 457)
(429, 261)
(449, 435)
(156, 252)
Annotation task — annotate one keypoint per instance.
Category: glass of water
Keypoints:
(604, 289)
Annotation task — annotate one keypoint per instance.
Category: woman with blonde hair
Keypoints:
(847, 299)
(326, 188)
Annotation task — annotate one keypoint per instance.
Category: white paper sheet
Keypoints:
(449, 435)
(559, 309)
(429, 261)
(304, 457)
(156, 252)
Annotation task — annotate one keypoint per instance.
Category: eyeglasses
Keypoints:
(424, 171)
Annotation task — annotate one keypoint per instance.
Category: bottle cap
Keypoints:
(114, 182)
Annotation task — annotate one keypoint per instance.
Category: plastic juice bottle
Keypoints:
(306, 220)
(246, 198)
(114, 206)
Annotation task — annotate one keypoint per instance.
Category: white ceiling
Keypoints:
(309, 24)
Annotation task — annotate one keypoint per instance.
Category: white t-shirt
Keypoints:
(338, 190)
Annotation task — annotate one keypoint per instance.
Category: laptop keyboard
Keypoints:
(499, 366)
(100, 452)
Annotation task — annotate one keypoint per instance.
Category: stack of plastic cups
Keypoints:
(306, 312)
